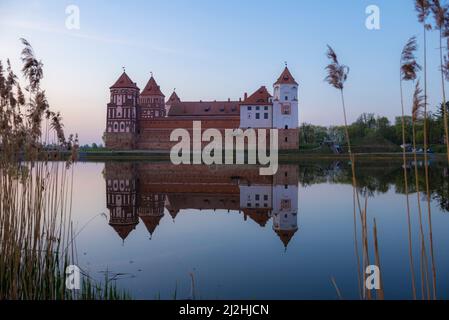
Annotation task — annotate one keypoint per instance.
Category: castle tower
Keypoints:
(285, 203)
(152, 101)
(285, 110)
(121, 198)
(151, 210)
(172, 100)
(121, 118)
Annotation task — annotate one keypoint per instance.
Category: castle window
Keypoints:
(265, 115)
(286, 98)
(286, 204)
(286, 139)
(265, 197)
(257, 108)
(115, 126)
(257, 197)
(250, 108)
(257, 115)
(266, 108)
(122, 126)
(286, 108)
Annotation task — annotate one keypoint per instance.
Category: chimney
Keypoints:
(229, 99)
(246, 95)
(240, 99)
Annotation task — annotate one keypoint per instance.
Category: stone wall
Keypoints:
(155, 134)
(120, 141)
(288, 139)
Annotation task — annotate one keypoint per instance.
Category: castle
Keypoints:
(144, 120)
(146, 191)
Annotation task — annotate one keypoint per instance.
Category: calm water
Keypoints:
(244, 236)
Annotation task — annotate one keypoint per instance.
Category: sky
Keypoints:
(215, 50)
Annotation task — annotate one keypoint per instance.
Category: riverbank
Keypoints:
(284, 156)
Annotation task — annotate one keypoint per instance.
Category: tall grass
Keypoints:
(417, 110)
(408, 72)
(337, 74)
(441, 19)
(36, 235)
(423, 9)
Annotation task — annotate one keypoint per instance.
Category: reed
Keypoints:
(441, 19)
(417, 110)
(36, 234)
(408, 72)
(337, 74)
(423, 9)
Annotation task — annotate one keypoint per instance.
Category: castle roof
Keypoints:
(286, 78)
(123, 230)
(259, 215)
(152, 89)
(124, 81)
(151, 222)
(205, 108)
(286, 235)
(173, 98)
(261, 96)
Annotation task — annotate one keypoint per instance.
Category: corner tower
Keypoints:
(285, 110)
(121, 118)
(152, 101)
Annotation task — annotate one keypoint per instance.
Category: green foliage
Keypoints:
(371, 133)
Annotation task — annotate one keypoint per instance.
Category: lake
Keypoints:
(162, 231)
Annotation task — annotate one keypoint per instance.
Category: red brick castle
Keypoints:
(144, 120)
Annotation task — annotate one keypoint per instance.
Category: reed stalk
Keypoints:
(408, 72)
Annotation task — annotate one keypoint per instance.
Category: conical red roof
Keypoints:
(286, 78)
(124, 82)
(123, 230)
(286, 235)
(151, 222)
(261, 96)
(173, 98)
(152, 89)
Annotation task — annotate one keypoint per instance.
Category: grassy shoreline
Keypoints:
(106, 155)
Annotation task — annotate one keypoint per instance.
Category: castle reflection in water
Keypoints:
(150, 191)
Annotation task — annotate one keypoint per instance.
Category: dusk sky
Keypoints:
(214, 50)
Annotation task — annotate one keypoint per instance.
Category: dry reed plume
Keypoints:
(337, 74)
(408, 72)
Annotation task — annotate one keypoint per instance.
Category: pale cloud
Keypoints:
(40, 27)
